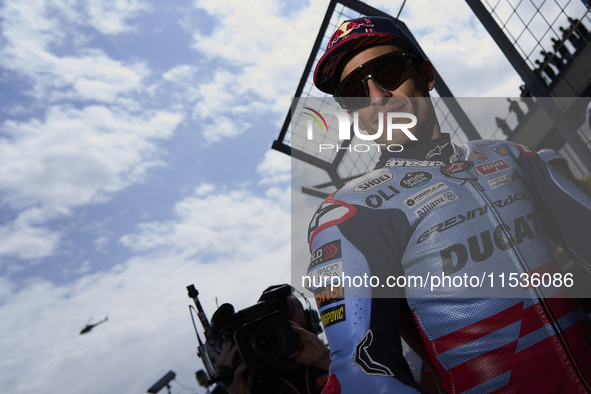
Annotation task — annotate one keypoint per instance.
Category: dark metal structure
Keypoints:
(547, 43)
(341, 166)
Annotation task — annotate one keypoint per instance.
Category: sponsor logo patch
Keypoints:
(414, 179)
(502, 180)
(328, 295)
(327, 252)
(502, 150)
(476, 155)
(435, 203)
(326, 271)
(490, 168)
(459, 166)
(412, 163)
(424, 194)
(436, 151)
(373, 183)
(376, 200)
(484, 143)
(347, 28)
(334, 315)
(331, 66)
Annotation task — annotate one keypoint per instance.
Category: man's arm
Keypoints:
(565, 210)
(363, 332)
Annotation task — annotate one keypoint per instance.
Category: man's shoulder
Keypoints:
(481, 149)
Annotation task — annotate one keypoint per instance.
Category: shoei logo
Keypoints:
(343, 118)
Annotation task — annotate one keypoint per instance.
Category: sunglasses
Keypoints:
(387, 71)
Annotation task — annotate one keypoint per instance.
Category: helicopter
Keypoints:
(91, 326)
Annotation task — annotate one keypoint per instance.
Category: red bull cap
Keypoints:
(351, 35)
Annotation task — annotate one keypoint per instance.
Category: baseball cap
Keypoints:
(549, 155)
(351, 35)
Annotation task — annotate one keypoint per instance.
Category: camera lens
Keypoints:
(265, 342)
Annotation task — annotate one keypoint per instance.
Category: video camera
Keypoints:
(262, 333)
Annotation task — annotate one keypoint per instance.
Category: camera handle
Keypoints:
(193, 293)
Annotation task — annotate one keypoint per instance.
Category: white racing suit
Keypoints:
(479, 214)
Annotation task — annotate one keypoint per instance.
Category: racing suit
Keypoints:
(455, 212)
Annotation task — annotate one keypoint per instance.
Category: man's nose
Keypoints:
(378, 94)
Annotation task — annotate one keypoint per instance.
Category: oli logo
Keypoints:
(345, 125)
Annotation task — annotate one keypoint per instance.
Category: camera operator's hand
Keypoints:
(312, 351)
(239, 385)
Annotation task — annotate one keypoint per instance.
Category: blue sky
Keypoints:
(134, 142)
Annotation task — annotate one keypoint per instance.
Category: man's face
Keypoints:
(411, 95)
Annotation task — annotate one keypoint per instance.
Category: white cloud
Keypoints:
(218, 222)
(101, 242)
(111, 16)
(76, 157)
(239, 245)
(275, 168)
(266, 52)
(24, 238)
(34, 30)
(71, 158)
(271, 48)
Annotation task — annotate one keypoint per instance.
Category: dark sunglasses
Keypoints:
(387, 71)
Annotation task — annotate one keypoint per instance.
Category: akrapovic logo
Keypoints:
(373, 183)
(425, 193)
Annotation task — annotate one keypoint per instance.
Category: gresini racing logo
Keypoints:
(470, 214)
(413, 163)
(435, 203)
(345, 129)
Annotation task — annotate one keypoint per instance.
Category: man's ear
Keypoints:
(360, 122)
(428, 73)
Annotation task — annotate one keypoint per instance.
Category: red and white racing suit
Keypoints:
(474, 214)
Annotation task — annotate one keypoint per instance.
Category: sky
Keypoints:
(135, 160)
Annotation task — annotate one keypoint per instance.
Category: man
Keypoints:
(479, 210)
(304, 372)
